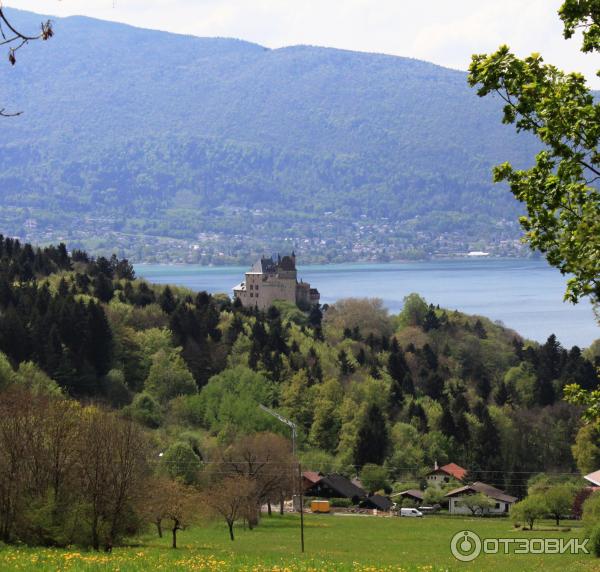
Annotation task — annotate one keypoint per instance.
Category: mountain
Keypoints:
(134, 137)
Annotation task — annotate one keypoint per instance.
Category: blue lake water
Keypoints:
(525, 295)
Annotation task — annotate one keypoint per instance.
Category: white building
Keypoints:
(446, 475)
(501, 500)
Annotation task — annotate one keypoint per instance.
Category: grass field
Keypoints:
(333, 543)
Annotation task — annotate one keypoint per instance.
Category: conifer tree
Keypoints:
(373, 439)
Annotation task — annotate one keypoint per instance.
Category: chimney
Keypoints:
(435, 465)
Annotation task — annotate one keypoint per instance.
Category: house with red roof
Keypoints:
(445, 475)
(310, 479)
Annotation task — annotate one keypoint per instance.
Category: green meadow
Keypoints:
(333, 543)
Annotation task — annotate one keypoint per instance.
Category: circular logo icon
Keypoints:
(465, 546)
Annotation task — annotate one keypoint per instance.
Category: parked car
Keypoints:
(410, 512)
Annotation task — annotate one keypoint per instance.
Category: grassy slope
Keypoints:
(332, 543)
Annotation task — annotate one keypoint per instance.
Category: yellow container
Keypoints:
(319, 506)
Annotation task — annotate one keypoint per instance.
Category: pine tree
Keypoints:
(167, 301)
(316, 316)
(480, 330)
(402, 383)
(346, 368)
(99, 343)
(372, 440)
(447, 425)
(431, 321)
(103, 288)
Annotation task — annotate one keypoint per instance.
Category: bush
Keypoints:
(374, 478)
(595, 540)
(145, 410)
(529, 509)
(341, 503)
(591, 510)
(180, 462)
(187, 410)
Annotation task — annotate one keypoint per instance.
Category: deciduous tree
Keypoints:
(560, 191)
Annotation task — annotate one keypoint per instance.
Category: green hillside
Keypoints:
(155, 134)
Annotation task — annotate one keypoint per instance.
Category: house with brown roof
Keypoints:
(377, 502)
(336, 486)
(448, 474)
(502, 501)
(414, 495)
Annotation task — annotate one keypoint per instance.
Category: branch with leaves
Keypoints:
(560, 191)
(15, 39)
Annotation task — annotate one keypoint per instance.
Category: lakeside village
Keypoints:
(337, 240)
(446, 487)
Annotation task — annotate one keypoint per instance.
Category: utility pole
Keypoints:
(301, 508)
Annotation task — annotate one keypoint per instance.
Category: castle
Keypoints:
(268, 281)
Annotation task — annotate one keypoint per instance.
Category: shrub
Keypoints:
(145, 410)
(180, 462)
(341, 503)
(591, 511)
(595, 540)
(530, 509)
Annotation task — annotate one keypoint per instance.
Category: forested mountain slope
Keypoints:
(153, 133)
(363, 386)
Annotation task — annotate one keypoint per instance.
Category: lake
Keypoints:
(525, 295)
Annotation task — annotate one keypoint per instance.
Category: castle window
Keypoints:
(251, 295)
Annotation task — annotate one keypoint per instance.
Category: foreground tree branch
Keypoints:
(562, 201)
(15, 39)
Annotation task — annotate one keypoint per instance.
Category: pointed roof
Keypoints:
(484, 489)
(377, 501)
(452, 470)
(312, 476)
(414, 493)
(593, 478)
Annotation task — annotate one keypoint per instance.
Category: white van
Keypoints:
(410, 512)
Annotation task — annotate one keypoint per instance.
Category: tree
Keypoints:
(368, 314)
(372, 440)
(530, 509)
(167, 301)
(266, 460)
(171, 500)
(478, 504)
(431, 321)
(586, 449)
(145, 410)
(436, 495)
(169, 376)
(559, 501)
(414, 311)
(103, 288)
(182, 463)
(15, 40)
(402, 382)
(346, 367)
(374, 478)
(229, 499)
(111, 458)
(562, 200)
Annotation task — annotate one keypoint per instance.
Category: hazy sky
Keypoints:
(441, 31)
